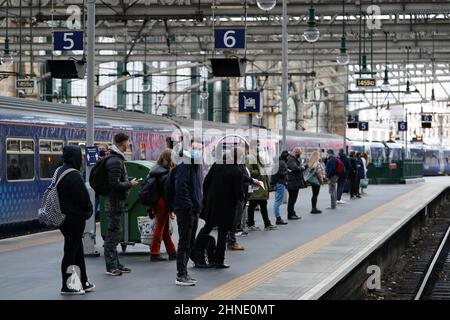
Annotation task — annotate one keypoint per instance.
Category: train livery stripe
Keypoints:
(242, 284)
(29, 241)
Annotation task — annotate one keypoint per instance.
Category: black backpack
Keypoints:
(168, 189)
(202, 254)
(98, 179)
(150, 192)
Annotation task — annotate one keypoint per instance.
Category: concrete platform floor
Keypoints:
(30, 265)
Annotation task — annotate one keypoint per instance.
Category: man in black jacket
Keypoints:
(295, 180)
(239, 219)
(187, 204)
(342, 180)
(76, 205)
(116, 203)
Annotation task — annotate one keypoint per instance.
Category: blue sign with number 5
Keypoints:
(68, 40)
(363, 126)
(229, 38)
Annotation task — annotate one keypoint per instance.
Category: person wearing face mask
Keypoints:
(116, 203)
(102, 150)
(295, 181)
(187, 205)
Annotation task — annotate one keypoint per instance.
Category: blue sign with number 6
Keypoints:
(402, 126)
(68, 40)
(229, 38)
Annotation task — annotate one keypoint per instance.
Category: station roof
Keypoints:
(182, 30)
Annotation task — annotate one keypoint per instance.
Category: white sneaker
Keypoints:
(340, 201)
(254, 228)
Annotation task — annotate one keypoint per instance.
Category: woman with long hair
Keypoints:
(315, 178)
(164, 164)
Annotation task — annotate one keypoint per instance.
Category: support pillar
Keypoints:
(147, 86)
(195, 98)
(225, 101)
(121, 87)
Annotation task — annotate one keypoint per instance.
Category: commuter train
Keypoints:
(33, 134)
(435, 159)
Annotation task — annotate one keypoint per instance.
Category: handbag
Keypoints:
(364, 183)
(312, 178)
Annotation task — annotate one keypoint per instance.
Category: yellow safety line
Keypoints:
(32, 240)
(246, 282)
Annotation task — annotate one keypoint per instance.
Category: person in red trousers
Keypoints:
(160, 211)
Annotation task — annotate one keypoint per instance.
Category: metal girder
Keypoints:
(378, 57)
(441, 45)
(184, 28)
(191, 10)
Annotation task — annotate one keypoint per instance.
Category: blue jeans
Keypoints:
(279, 193)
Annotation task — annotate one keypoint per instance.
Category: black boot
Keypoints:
(315, 211)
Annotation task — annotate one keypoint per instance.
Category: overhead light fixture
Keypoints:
(7, 59)
(408, 89)
(311, 34)
(204, 94)
(408, 83)
(343, 58)
(386, 86)
(266, 5)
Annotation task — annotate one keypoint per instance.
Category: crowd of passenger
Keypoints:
(234, 188)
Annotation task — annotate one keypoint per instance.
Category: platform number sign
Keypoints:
(352, 118)
(91, 156)
(363, 126)
(229, 38)
(427, 118)
(68, 40)
(402, 126)
(250, 102)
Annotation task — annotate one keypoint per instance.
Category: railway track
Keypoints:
(436, 281)
(422, 270)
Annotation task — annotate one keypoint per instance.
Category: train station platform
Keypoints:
(301, 260)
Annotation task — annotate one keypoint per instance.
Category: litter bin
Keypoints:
(130, 231)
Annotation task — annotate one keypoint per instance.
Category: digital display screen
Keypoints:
(365, 82)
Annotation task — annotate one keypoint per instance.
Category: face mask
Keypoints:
(195, 154)
(102, 153)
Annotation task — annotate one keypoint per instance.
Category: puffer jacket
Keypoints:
(281, 176)
(117, 176)
(295, 175)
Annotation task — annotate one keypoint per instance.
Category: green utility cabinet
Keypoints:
(130, 231)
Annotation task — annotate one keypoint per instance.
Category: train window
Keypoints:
(50, 157)
(20, 159)
(142, 153)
